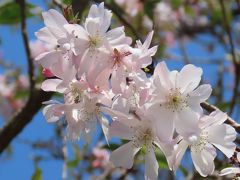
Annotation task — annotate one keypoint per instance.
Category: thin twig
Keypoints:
(235, 62)
(210, 108)
(22, 5)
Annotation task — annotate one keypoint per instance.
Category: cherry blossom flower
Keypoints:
(56, 36)
(94, 36)
(213, 133)
(81, 117)
(99, 73)
(132, 124)
(176, 98)
(140, 134)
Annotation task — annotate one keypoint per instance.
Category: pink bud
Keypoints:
(47, 73)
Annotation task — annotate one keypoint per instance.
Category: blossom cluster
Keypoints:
(99, 73)
(12, 93)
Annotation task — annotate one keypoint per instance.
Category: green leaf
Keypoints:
(10, 12)
(112, 146)
(20, 94)
(149, 6)
(223, 106)
(162, 162)
(73, 163)
(176, 3)
(67, 2)
(183, 170)
(37, 174)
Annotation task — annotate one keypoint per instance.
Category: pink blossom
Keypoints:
(102, 158)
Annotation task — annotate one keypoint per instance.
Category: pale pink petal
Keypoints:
(215, 118)
(230, 170)
(47, 59)
(102, 80)
(117, 36)
(204, 160)
(81, 40)
(50, 84)
(121, 131)
(124, 155)
(148, 40)
(189, 78)
(222, 136)
(98, 66)
(151, 165)
(118, 80)
(53, 112)
(187, 122)
(163, 73)
(45, 35)
(121, 104)
(87, 60)
(92, 26)
(121, 117)
(201, 94)
(55, 21)
(176, 158)
(103, 14)
(163, 122)
(105, 127)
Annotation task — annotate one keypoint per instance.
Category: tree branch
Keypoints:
(22, 5)
(13, 127)
(210, 108)
(22, 118)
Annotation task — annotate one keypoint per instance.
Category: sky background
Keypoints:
(20, 165)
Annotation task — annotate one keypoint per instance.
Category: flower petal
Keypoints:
(151, 165)
(215, 118)
(230, 170)
(199, 95)
(222, 136)
(189, 78)
(187, 122)
(204, 160)
(178, 154)
(163, 73)
(55, 21)
(50, 84)
(120, 130)
(53, 112)
(45, 35)
(124, 156)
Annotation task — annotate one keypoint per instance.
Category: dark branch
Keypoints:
(13, 127)
(22, 5)
(22, 118)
